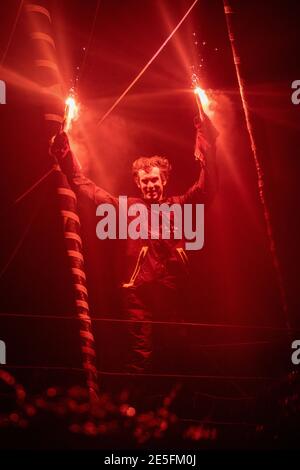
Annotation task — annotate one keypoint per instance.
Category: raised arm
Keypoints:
(205, 187)
(82, 185)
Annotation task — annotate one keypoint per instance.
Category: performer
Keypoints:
(155, 268)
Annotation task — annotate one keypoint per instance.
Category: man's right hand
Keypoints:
(60, 146)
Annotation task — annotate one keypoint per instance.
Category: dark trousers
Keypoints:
(149, 302)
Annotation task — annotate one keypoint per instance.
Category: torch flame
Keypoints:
(71, 112)
(202, 96)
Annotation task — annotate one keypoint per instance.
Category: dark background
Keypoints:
(233, 280)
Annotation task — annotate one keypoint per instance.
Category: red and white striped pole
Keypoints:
(48, 76)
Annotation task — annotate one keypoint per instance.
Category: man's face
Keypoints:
(151, 184)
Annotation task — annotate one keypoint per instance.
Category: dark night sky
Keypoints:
(233, 276)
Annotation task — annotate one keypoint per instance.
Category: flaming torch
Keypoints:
(71, 111)
(203, 104)
(71, 114)
(201, 96)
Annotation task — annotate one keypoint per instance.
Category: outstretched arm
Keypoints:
(204, 188)
(61, 150)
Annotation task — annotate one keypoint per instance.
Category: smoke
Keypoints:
(235, 165)
(105, 152)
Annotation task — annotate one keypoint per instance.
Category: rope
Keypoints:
(22, 238)
(29, 190)
(79, 78)
(12, 32)
(148, 64)
(260, 181)
(152, 375)
(33, 186)
(154, 322)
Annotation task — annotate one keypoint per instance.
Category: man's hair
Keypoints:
(147, 163)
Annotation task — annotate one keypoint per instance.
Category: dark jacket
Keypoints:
(155, 260)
